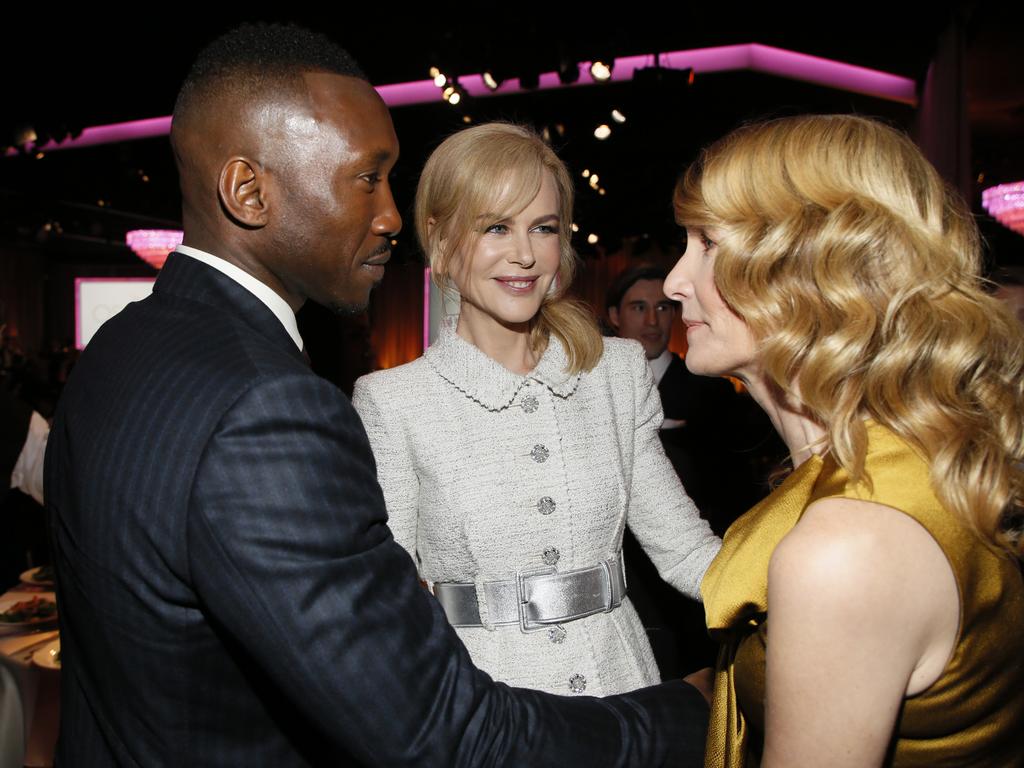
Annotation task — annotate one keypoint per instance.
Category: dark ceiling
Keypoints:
(66, 73)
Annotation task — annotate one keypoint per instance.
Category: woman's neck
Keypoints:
(507, 345)
(802, 435)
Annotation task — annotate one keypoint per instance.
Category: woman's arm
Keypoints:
(863, 610)
(661, 515)
(395, 471)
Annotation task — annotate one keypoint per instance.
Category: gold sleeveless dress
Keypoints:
(973, 715)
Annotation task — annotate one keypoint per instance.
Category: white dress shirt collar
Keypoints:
(261, 291)
(659, 365)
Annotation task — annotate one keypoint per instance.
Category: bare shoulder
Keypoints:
(863, 567)
(838, 539)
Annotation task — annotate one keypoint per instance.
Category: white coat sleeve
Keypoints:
(395, 470)
(661, 515)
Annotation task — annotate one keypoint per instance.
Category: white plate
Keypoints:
(29, 577)
(17, 627)
(48, 657)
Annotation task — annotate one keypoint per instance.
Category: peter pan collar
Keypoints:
(488, 382)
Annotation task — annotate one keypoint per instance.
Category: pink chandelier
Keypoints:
(1006, 204)
(153, 245)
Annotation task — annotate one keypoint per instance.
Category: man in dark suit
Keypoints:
(229, 591)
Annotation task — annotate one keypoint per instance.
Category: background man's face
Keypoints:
(646, 315)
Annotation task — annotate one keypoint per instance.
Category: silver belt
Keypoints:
(536, 598)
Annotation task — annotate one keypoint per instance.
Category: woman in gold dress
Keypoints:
(870, 609)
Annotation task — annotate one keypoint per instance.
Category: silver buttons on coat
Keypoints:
(556, 634)
(540, 454)
(546, 505)
(530, 404)
(577, 683)
(550, 556)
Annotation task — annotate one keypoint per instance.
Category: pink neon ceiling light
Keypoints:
(752, 57)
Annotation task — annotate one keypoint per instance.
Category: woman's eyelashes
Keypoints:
(501, 228)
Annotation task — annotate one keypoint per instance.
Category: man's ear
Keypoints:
(242, 189)
(613, 317)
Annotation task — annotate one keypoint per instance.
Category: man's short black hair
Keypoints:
(628, 278)
(255, 57)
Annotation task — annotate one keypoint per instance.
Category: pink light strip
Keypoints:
(752, 57)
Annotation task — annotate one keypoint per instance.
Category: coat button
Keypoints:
(556, 634)
(546, 505)
(577, 683)
(550, 556)
(540, 454)
(530, 403)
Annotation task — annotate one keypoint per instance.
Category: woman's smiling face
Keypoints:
(513, 262)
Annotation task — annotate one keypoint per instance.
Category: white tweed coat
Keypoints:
(485, 470)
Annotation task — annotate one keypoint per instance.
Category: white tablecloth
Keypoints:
(29, 695)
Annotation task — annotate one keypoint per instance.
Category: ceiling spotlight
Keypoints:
(586, 172)
(491, 81)
(592, 238)
(452, 94)
(593, 180)
(467, 119)
(601, 70)
(529, 80)
(575, 227)
(568, 71)
(602, 132)
(601, 191)
(26, 135)
(439, 77)
(618, 117)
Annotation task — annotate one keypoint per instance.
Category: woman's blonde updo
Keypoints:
(858, 271)
(488, 173)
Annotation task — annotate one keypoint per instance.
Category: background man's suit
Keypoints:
(224, 566)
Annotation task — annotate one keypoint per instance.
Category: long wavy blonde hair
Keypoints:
(493, 171)
(858, 271)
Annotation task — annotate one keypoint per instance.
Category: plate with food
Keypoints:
(27, 615)
(48, 657)
(40, 577)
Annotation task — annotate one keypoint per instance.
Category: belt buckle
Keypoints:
(521, 602)
(607, 568)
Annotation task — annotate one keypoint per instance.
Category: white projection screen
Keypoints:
(97, 299)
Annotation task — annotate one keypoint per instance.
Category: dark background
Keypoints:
(65, 214)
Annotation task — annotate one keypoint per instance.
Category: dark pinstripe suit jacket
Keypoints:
(229, 591)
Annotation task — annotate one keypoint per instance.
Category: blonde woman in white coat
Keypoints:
(513, 453)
